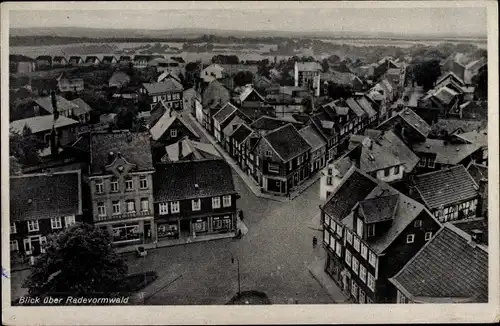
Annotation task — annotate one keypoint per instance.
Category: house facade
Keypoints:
(192, 201)
(42, 204)
(168, 91)
(21, 64)
(121, 186)
(308, 75)
(70, 84)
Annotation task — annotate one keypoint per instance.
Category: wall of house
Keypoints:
(392, 176)
(458, 211)
(399, 253)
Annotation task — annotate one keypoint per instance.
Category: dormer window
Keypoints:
(371, 230)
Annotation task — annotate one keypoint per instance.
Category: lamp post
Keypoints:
(239, 282)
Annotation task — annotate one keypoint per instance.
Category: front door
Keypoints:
(295, 178)
(35, 246)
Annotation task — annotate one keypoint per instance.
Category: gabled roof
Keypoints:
(287, 142)
(91, 58)
(44, 58)
(453, 76)
(452, 125)
(415, 121)
(247, 92)
(41, 123)
(133, 147)
(448, 267)
(308, 66)
(386, 84)
(62, 104)
(242, 133)
(478, 172)
(82, 107)
(125, 57)
(312, 137)
(44, 196)
(446, 153)
(75, 57)
(163, 124)
(367, 106)
(166, 86)
(445, 95)
(445, 187)
(59, 59)
(379, 209)
(108, 58)
(19, 58)
(235, 122)
(479, 137)
(354, 106)
(166, 74)
(476, 64)
(224, 113)
(267, 123)
(192, 179)
(199, 150)
(472, 225)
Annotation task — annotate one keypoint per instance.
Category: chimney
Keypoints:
(477, 235)
(180, 148)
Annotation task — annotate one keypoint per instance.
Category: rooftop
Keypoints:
(43, 196)
(287, 142)
(312, 138)
(199, 150)
(308, 66)
(165, 121)
(448, 267)
(192, 179)
(82, 107)
(224, 113)
(446, 153)
(242, 133)
(62, 103)
(41, 123)
(478, 172)
(379, 209)
(166, 86)
(445, 187)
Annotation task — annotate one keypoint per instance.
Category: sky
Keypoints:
(256, 16)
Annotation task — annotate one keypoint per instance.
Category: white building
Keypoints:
(307, 75)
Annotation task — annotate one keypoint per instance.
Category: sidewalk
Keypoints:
(317, 269)
(247, 179)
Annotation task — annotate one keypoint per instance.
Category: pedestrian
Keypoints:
(315, 241)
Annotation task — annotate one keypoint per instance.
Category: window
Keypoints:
(101, 209)
(215, 202)
(428, 236)
(55, 223)
(274, 168)
(290, 166)
(361, 297)
(370, 281)
(268, 154)
(396, 169)
(116, 207)
(144, 205)
(430, 162)
(69, 220)
(418, 223)
(410, 238)
(169, 97)
(339, 229)
(196, 204)
(348, 257)
(371, 230)
(114, 185)
(174, 207)
(355, 265)
(362, 273)
(422, 162)
(372, 258)
(354, 289)
(329, 181)
(163, 207)
(129, 184)
(130, 206)
(299, 160)
(13, 229)
(330, 171)
(359, 228)
(348, 236)
(14, 246)
(33, 226)
(98, 186)
(226, 201)
(387, 172)
(401, 298)
(173, 133)
(355, 243)
(338, 248)
(143, 182)
(364, 251)
(326, 237)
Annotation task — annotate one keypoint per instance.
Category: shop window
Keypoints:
(126, 232)
(200, 226)
(167, 230)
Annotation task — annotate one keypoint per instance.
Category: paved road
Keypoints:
(273, 257)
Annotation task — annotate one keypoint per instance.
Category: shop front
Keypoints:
(130, 232)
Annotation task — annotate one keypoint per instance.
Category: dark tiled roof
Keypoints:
(447, 267)
(59, 59)
(242, 133)
(287, 142)
(225, 112)
(355, 107)
(134, 147)
(108, 59)
(166, 86)
(44, 58)
(178, 181)
(475, 224)
(446, 153)
(91, 58)
(267, 123)
(355, 188)
(445, 187)
(415, 121)
(62, 103)
(379, 209)
(478, 172)
(39, 196)
(367, 106)
(451, 125)
(312, 137)
(19, 58)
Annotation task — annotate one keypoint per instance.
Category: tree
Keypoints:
(25, 147)
(426, 73)
(480, 82)
(126, 118)
(84, 261)
(225, 59)
(336, 91)
(243, 78)
(325, 66)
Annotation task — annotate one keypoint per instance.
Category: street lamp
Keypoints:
(239, 283)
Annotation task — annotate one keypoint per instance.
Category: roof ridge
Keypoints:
(442, 170)
(41, 174)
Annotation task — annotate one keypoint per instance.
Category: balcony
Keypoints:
(123, 216)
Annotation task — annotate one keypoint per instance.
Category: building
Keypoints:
(109, 60)
(479, 173)
(119, 79)
(479, 137)
(220, 120)
(190, 95)
(168, 91)
(59, 61)
(308, 75)
(43, 62)
(92, 61)
(21, 64)
(473, 68)
(124, 60)
(230, 128)
(241, 146)
(346, 79)
(211, 72)
(75, 61)
(70, 84)
(40, 205)
(121, 186)
(370, 231)
(451, 268)
(215, 93)
(194, 199)
(318, 147)
(171, 127)
(282, 160)
(408, 126)
(249, 97)
(141, 61)
(82, 110)
(450, 194)
(189, 150)
(41, 106)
